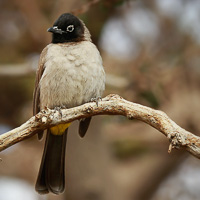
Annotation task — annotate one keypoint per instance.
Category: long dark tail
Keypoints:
(51, 177)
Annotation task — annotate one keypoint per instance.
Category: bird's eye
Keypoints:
(55, 27)
(70, 28)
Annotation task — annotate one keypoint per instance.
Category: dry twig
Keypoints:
(110, 105)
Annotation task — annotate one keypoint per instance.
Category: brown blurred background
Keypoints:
(151, 53)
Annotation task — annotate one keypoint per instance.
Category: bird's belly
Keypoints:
(69, 87)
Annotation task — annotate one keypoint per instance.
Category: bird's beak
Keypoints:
(53, 30)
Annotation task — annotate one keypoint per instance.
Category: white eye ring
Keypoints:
(55, 27)
(70, 28)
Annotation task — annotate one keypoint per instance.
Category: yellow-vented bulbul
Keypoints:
(70, 73)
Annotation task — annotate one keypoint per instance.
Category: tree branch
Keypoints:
(16, 70)
(110, 105)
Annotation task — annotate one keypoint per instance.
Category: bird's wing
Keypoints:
(36, 94)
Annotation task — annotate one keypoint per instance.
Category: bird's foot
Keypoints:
(97, 99)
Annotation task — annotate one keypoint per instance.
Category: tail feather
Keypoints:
(51, 177)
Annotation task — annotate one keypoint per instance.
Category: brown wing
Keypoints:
(36, 94)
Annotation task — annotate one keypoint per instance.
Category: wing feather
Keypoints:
(36, 94)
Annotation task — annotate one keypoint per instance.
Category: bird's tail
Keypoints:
(51, 177)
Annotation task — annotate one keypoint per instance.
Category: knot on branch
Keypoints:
(89, 109)
(177, 140)
(45, 116)
(130, 115)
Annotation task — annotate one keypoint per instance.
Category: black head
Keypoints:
(67, 28)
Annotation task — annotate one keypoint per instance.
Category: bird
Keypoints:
(70, 73)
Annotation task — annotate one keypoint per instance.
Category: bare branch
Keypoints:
(16, 70)
(19, 70)
(110, 105)
(29, 68)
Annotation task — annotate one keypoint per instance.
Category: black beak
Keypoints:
(53, 30)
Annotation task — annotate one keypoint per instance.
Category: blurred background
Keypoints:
(151, 53)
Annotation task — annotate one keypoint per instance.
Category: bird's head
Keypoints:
(68, 28)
